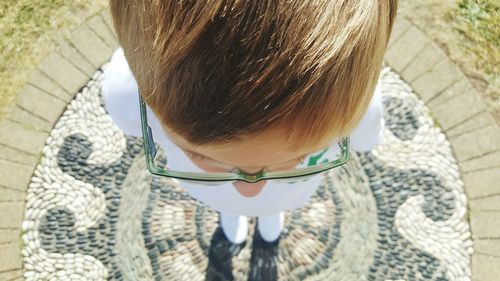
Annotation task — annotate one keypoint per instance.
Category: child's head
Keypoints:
(217, 71)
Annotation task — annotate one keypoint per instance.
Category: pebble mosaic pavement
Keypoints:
(395, 213)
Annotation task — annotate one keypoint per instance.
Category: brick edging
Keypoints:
(470, 128)
(30, 118)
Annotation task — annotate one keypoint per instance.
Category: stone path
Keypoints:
(79, 236)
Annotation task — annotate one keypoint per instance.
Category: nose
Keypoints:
(249, 189)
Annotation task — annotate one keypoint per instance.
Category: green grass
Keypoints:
(479, 22)
(29, 31)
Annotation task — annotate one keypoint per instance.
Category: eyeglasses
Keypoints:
(209, 178)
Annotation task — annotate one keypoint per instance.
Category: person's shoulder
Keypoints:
(117, 77)
(369, 131)
(120, 94)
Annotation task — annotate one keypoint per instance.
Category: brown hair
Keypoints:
(216, 70)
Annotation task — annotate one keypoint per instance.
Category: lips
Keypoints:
(249, 189)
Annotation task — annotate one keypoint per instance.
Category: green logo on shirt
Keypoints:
(315, 159)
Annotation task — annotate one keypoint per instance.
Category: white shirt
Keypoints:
(120, 95)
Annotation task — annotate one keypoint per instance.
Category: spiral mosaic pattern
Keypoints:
(395, 213)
